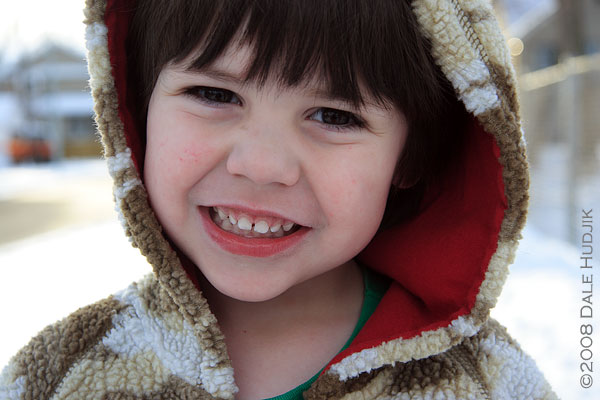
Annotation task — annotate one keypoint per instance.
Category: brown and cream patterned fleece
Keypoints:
(158, 339)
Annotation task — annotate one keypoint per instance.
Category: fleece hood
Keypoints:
(448, 265)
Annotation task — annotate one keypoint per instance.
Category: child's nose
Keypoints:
(264, 156)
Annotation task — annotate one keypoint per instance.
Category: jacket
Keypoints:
(158, 339)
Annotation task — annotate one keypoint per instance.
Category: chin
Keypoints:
(250, 293)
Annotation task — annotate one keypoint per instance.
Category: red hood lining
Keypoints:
(437, 260)
(117, 18)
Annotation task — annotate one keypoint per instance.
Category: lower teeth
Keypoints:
(227, 226)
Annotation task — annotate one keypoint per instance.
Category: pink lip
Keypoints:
(253, 247)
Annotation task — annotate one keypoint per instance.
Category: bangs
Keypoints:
(346, 44)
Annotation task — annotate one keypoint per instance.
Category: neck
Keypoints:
(276, 345)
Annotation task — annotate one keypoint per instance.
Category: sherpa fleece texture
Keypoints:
(430, 337)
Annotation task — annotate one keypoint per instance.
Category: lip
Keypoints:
(253, 247)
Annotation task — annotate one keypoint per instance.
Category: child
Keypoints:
(328, 213)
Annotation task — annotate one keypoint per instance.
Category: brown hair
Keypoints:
(343, 41)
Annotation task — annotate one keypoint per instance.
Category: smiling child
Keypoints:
(329, 192)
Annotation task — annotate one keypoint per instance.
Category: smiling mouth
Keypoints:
(249, 227)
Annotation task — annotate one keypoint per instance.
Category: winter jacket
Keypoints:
(158, 339)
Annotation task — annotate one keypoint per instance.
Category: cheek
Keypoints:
(177, 148)
(357, 185)
(191, 156)
(192, 139)
(354, 196)
(176, 160)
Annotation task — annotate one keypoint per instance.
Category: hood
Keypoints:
(448, 265)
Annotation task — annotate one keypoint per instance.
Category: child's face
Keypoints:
(284, 154)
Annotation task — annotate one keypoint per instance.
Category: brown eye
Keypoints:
(213, 95)
(217, 95)
(337, 119)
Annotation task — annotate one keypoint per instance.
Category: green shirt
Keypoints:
(375, 287)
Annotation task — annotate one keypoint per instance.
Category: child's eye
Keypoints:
(337, 119)
(212, 96)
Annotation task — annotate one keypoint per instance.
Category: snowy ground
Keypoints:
(539, 305)
(15, 180)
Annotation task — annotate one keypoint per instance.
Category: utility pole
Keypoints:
(571, 45)
(572, 38)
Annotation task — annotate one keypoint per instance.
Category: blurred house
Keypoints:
(557, 57)
(54, 107)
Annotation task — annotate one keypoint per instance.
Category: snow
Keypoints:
(15, 180)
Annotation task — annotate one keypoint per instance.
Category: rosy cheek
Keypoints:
(196, 155)
(184, 145)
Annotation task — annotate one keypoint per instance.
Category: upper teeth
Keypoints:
(260, 225)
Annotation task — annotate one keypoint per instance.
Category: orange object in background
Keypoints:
(23, 149)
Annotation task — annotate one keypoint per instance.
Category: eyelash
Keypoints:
(199, 93)
(355, 121)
